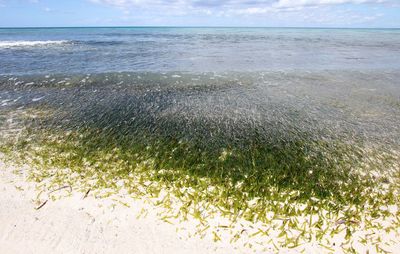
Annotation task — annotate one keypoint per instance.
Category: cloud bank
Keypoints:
(234, 4)
(275, 12)
(307, 13)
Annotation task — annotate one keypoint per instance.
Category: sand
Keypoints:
(89, 225)
(77, 223)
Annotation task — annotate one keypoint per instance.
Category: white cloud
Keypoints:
(306, 3)
(312, 11)
(244, 7)
(234, 4)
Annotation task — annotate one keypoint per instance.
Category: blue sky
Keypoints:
(299, 13)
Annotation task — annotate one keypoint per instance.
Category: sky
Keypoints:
(264, 13)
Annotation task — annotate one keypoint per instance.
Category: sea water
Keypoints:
(97, 50)
(244, 83)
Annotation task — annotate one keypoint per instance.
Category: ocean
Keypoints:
(327, 82)
(98, 50)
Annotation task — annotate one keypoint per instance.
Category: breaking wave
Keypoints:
(13, 44)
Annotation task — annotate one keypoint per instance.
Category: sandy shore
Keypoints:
(77, 225)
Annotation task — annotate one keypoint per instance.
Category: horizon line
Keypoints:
(145, 26)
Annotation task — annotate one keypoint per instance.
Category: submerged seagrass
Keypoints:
(245, 144)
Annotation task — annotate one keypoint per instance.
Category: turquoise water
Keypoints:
(98, 50)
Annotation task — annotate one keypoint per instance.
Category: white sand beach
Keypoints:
(80, 223)
(77, 225)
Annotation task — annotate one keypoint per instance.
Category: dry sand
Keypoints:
(76, 225)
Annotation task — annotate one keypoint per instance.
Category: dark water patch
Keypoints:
(358, 105)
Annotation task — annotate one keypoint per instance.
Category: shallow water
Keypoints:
(238, 84)
(351, 106)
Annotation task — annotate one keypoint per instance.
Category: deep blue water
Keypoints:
(98, 50)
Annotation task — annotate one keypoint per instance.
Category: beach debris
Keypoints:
(41, 205)
(343, 221)
(86, 194)
(61, 188)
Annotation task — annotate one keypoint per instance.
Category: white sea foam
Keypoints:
(12, 44)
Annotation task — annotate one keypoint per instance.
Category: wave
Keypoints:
(13, 44)
(100, 43)
(18, 44)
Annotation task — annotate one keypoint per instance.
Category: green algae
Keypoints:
(198, 161)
